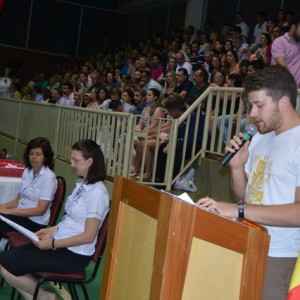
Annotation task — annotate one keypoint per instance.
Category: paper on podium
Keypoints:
(21, 229)
(184, 197)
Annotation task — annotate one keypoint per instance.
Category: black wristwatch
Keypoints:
(241, 206)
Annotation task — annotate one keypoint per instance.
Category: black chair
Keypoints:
(81, 278)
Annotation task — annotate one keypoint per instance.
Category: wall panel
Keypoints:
(13, 22)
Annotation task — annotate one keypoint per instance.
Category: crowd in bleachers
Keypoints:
(156, 63)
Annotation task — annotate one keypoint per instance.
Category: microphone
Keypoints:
(250, 131)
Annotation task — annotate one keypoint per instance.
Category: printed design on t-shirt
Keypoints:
(259, 178)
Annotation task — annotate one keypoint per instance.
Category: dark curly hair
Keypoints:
(44, 144)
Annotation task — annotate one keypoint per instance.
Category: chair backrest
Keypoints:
(100, 247)
(57, 201)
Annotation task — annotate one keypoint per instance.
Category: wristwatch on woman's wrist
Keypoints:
(241, 206)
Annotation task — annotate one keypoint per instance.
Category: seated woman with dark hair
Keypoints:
(31, 208)
(149, 121)
(74, 238)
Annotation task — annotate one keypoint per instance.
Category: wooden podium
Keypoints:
(159, 247)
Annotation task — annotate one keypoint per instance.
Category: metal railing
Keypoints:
(115, 132)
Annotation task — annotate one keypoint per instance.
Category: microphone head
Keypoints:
(251, 129)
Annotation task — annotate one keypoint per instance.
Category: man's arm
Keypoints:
(238, 182)
(285, 215)
(238, 178)
(278, 50)
(280, 61)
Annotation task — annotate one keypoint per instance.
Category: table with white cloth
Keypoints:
(9, 188)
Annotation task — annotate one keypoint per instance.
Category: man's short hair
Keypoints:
(69, 85)
(113, 105)
(184, 71)
(276, 80)
(147, 72)
(204, 72)
(175, 101)
(257, 64)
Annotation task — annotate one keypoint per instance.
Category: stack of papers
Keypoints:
(31, 235)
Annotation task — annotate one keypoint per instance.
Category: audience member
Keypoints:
(184, 85)
(241, 48)
(204, 42)
(170, 84)
(281, 18)
(225, 32)
(239, 19)
(15, 91)
(231, 64)
(140, 103)
(195, 54)
(218, 47)
(215, 64)
(271, 23)
(68, 96)
(42, 83)
(149, 121)
(228, 45)
(157, 67)
(148, 82)
(85, 85)
(232, 80)
(186, 38)
(78, 97)
(260, 27)
(277, 32)
(176, 108)
(94, 99)
(286, 49)
(182, 63)
(128, 101)
(37, 94)
(265, 41)
(110, 82)
(170, 67)
(201, 84)
(5, 82)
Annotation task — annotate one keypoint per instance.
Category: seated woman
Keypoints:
(128, 101)
(94, 98)
(104, 96)
(31, 208)
(74, 238)
(154, 110)
(170, 84)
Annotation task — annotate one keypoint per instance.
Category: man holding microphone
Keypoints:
(265, 174)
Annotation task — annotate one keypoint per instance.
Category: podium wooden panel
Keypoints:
(159, 247)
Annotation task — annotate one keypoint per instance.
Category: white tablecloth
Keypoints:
(9, 188)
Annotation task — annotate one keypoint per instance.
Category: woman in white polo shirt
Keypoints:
(31, 208)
